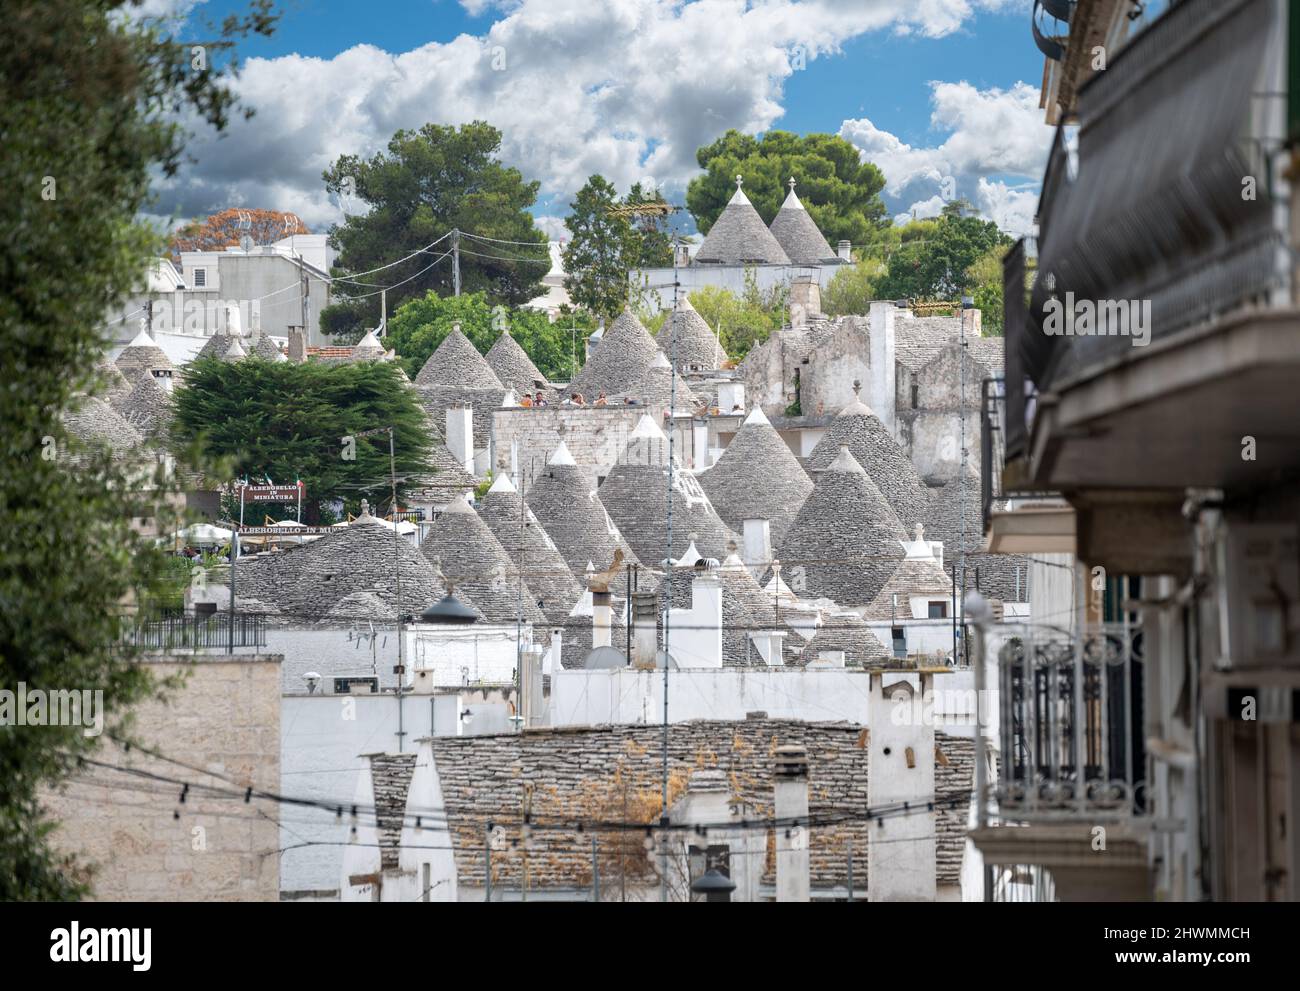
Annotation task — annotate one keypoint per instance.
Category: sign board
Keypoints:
(271, 493)
(284, 531)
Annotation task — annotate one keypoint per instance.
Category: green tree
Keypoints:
(286, 422)
(841, 192)
(852, 289)
(425, 184)
(935, 262)
(419, 326)
(609, 240)
(89, 100)
(744, 321)
(985, 278)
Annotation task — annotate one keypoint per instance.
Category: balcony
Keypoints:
(1071, 723)
(1166, 231)
(217, 631)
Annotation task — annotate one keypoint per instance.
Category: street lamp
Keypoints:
(714, 885)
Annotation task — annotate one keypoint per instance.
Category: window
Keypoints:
(899, 636)
(916, 395)
(200, 278)
(938, 610)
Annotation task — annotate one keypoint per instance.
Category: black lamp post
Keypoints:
(714, 885)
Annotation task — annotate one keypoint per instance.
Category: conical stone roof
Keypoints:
(635, 493)
(655, 388)
(524, 539)
(739, 237)
(696, 345)
(867, 439)
(625, 351)
(757, 478)
(111, 382)
(93, 421)
(147, 407)
(513, 367)
(917, 574)
(797, 233)
(471, 558)
(846, 631)
(141, 355)
(846, 540)
(369, 348)
(309, 582)
(563, 497)
(457, 363)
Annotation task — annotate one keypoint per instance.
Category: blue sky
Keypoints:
(602, 95)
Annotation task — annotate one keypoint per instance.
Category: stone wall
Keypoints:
(226, 718)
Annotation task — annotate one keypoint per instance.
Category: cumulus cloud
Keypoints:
(627, 88)
(991, 133)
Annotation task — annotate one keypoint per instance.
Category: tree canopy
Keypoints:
(285, 421)
(224, 228)
(608, 242)
(427, 183)
(840, 192)
(742, 321)
(934, 257)
(419, 326)
(89, 109)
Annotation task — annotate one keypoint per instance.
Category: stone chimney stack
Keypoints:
(297, 345)
(645, 644)
(791, 801)
(805, 299)
(972, 322)
(757, 555)
(600, 619)
(460, 435)
(532, 705)
(880, 387)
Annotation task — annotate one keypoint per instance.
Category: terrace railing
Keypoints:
(217, 631)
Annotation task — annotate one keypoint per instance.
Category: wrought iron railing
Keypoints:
(1071, 725)
(217, 631)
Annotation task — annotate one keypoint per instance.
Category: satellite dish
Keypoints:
(604, 659)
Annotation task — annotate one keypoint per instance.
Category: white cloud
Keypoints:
(621, 87)
(993, 132)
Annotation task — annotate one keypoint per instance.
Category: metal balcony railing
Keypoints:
(1071, 726)
(218, 631)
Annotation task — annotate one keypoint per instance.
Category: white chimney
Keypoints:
(164, 377)
(700, 443)
(532, 705)
(645, 632)
(844, 250)
(600, 619)
(460, 435)
(770, 645)
(757, 535)
(791, 801)
(880, 387)
(900, 768)
(731, 397)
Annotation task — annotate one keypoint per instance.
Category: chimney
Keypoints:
(901, 755)
(731, 398)
(791, 801)
(600, 619)
(805, 299)
(532, 706)
(972, 320)
(757, 535)
(770, 644)
(880, 386)
(700, 442)
(297, 345)
(844, 250)
(646, 642)
(683, 256)
(460, 435)
(164, 377)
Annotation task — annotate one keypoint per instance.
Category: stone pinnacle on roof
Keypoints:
(797, 233)
(624, 353)
(686, 336)
(739, 237)
(846, 540)
(473, 559)
(858, 428)
(757, 478)
(529, 546)
(513, 367)
(456, 362)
